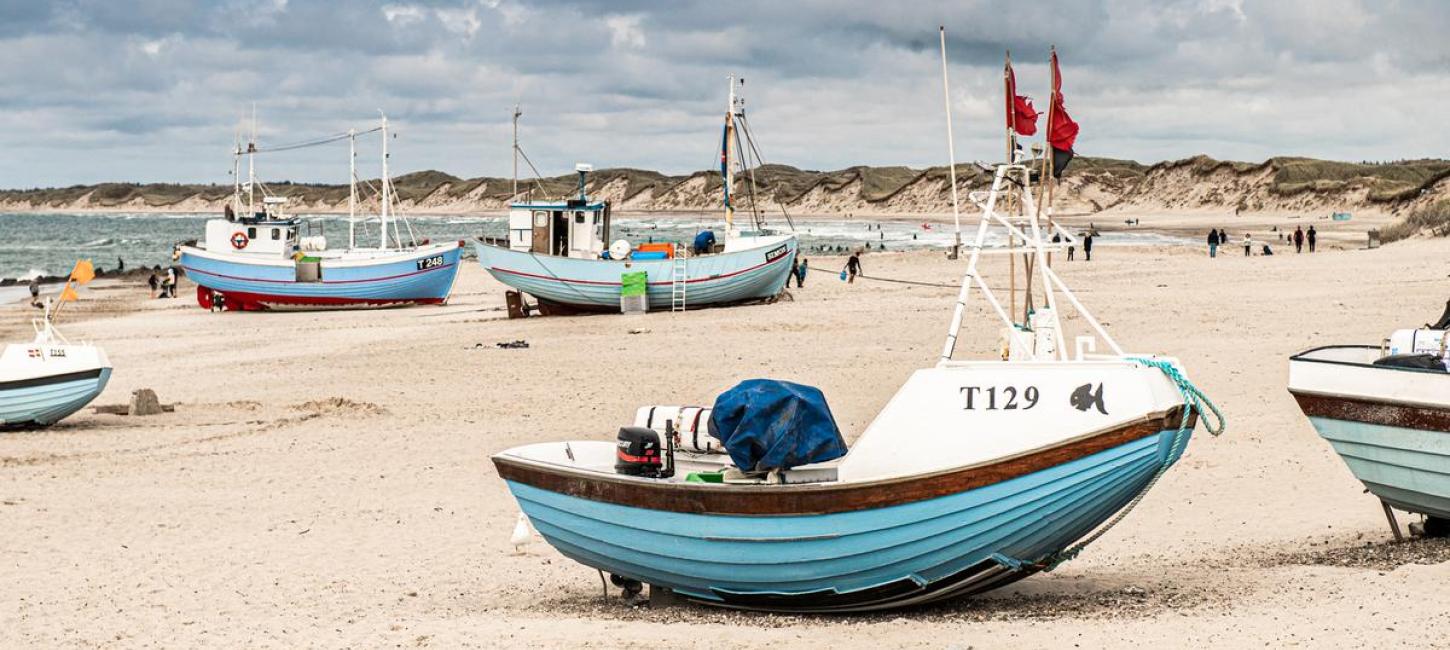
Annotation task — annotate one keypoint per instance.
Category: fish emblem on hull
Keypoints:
(1085, 398)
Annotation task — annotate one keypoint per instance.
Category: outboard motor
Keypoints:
(638, 453)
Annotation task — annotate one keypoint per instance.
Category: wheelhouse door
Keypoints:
(541, 232)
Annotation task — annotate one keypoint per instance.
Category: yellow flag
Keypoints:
(68, 294)
(82, 273)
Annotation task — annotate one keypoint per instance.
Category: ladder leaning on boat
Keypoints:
(679, 278)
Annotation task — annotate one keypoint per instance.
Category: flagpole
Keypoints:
(951, 145)
(1007, 92)
(1048, 179)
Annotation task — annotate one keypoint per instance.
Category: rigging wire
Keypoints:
(303, 144)
(761, 160)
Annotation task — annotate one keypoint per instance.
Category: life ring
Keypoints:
(240, 240)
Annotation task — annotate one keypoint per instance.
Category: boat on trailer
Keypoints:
(977, 473)
(1385, 410)
(559, 251)
(259, 258)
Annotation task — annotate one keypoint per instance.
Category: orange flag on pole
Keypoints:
(68, 294)
(83, 272)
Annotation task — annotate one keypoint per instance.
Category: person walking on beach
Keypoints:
(168, 288)
(1313, 238)
(853, 268)
(1248, 244)
(155, 282)
(1222, 237)
(795, 272)
(1299, 239)
(800, 276)
(1212, 243)
(35, 292)
(1087, 247)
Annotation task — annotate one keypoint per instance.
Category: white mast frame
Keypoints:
(1021, 187)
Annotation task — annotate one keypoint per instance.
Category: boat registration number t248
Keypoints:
(430, 262)
(999, 398)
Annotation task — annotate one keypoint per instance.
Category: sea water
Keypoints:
(50, 244)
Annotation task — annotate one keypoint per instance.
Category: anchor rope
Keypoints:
(1193, 398)
(911, 282)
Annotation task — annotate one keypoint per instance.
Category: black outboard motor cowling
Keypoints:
(638, 453)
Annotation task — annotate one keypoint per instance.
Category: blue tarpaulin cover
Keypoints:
(704, 240)
(767, 424)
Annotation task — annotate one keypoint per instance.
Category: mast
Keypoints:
(951, 145)
(727, 169)
(387, 189)
(237, 170)
(351, 189)
(517, 113)
(252, 167)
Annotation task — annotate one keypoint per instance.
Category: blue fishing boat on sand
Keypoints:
(560, 253)
(1386, 411)
(258, 258)
(975, 474)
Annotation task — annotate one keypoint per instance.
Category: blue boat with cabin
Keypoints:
(559, 251)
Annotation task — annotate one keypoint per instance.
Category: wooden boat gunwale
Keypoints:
(821, 498)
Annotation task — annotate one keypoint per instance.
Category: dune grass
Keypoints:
(1433, 219)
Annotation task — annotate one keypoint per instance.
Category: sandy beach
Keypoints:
(325, 477)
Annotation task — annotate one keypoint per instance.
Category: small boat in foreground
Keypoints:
(1386, 411)
(258, 258)
(559, 251)
(975, 474)
(49, 378)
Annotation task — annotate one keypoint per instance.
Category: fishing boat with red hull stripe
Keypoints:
(257, 258)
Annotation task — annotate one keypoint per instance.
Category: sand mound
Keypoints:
(339, 406)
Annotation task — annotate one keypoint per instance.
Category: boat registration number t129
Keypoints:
(994, 398)
(430, 262)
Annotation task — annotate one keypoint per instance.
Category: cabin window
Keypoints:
(541, 219)
(251, 233)
(578, 217)
(276, 234)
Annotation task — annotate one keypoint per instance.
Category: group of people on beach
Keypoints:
(1217, 237)
(1298, 238)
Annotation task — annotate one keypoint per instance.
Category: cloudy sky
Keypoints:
(154, 90)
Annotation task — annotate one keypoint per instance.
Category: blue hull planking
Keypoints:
(594, 284)
(1407, 468)
(47, 404)
(398, 281)
(910, 550)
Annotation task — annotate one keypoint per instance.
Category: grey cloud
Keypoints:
(154, 89)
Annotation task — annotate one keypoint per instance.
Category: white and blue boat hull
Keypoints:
(1390, 425)
(853, 559)
(42, 401)
(594, 284)
(420, 276)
